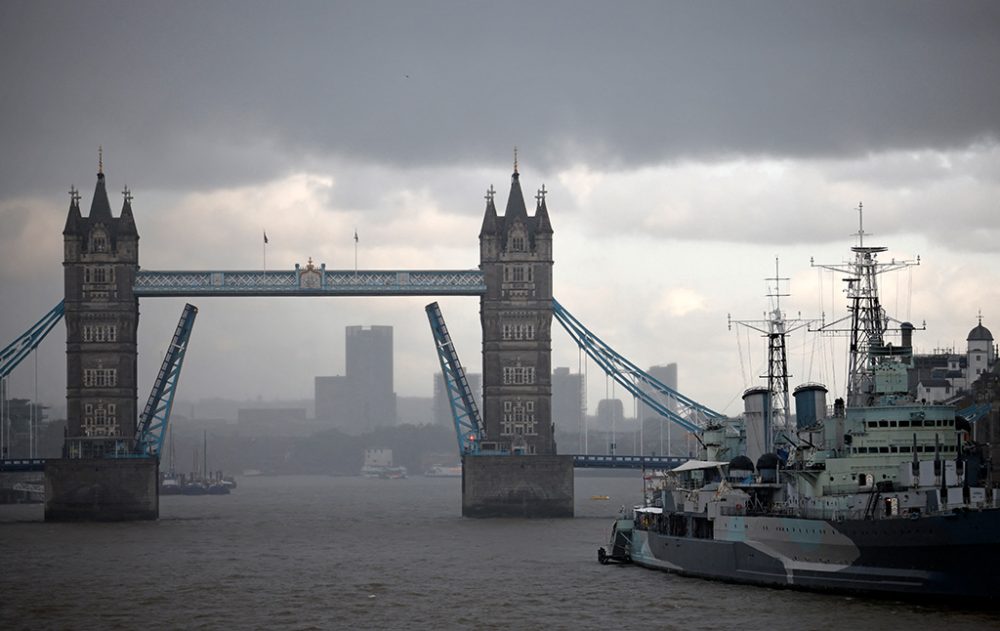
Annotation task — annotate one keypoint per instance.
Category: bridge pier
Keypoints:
(102, 489)
(517, 486)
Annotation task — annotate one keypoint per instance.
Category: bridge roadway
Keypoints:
(309, 281)
(580, 461)
(593, 461)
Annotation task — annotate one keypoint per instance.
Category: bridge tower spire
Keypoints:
(101, 258)
(516, 313)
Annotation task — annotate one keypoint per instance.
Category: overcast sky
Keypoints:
(685, 146)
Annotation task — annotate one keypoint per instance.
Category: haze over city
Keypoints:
(683, 147)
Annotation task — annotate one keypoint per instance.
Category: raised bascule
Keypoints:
(111, 454)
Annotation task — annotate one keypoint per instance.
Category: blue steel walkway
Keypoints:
(581, 461)
(22, 464)
(309, 281)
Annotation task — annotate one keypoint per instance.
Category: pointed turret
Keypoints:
(100, 207)
(515, 201)
(73, 218)
(126, 222)
(542, 224)
(490, 217)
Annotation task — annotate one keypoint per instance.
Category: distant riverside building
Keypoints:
(659, 431)
(667, 374)
(442, 407)
(276, 421)
(269, 415)
(945, 374)
(363, 398)
(414, 411)
(568, 401)
(610, 415)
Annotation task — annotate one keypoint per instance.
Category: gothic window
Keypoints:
(518, 274)
(519, 419)
(100, 419)
(98, 241)
(99, 274)
(517, 244)
(100, 333)
(518, 375)
(530, 274)
(100, 377)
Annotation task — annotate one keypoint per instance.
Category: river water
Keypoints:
(316, 552)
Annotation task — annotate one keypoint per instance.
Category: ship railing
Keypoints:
(789, 510)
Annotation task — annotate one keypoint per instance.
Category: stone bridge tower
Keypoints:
(101, 258)
(515, 256)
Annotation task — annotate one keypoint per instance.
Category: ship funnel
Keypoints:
(907, 332)
(755, 402)
(810, 404)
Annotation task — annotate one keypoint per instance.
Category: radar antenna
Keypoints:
(869, 322)
(775, 327)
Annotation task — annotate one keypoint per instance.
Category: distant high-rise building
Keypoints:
(442, 408)
(661, 435)
(568, 404)
(610, 414)
(668, 376)
(363, 398)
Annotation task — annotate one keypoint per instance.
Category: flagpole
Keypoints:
(355, 251)
(263, 248)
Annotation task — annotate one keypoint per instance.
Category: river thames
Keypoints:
(316, 552)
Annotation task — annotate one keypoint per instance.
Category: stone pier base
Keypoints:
(102, 489)
(517, 486)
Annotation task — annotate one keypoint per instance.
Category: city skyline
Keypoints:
(668, 202)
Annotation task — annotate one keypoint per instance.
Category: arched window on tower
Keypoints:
(98, 240)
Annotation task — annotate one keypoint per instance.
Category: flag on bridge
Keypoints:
(265, 237)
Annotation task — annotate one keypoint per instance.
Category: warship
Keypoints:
(883, 494)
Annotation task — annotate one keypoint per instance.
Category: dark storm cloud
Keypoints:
(186, 94)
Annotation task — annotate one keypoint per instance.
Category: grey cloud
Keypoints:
(193, 94)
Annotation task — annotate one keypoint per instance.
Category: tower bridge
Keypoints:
(103, 285)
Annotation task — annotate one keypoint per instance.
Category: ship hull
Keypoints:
(954, 555)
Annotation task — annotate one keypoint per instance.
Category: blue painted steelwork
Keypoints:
(22, 464)
(17, 350)
(589, 461)
(309, 281)
(975, 411)
(637, 381)
(468, 423)
(156, 415)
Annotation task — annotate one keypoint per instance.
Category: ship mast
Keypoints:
(868, 320)
(775, 328)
